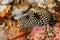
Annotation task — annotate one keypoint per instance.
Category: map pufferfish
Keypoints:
(36, 16)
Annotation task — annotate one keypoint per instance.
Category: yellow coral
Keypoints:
(3, 13)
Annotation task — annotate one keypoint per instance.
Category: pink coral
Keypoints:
(57, 34)
(35, 29)
(48, 39)
(38, 33)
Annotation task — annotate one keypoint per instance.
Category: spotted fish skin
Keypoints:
(42, 15)
(29, 22)
(36, 17)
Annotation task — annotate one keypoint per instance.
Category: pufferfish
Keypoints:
(36, 16)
